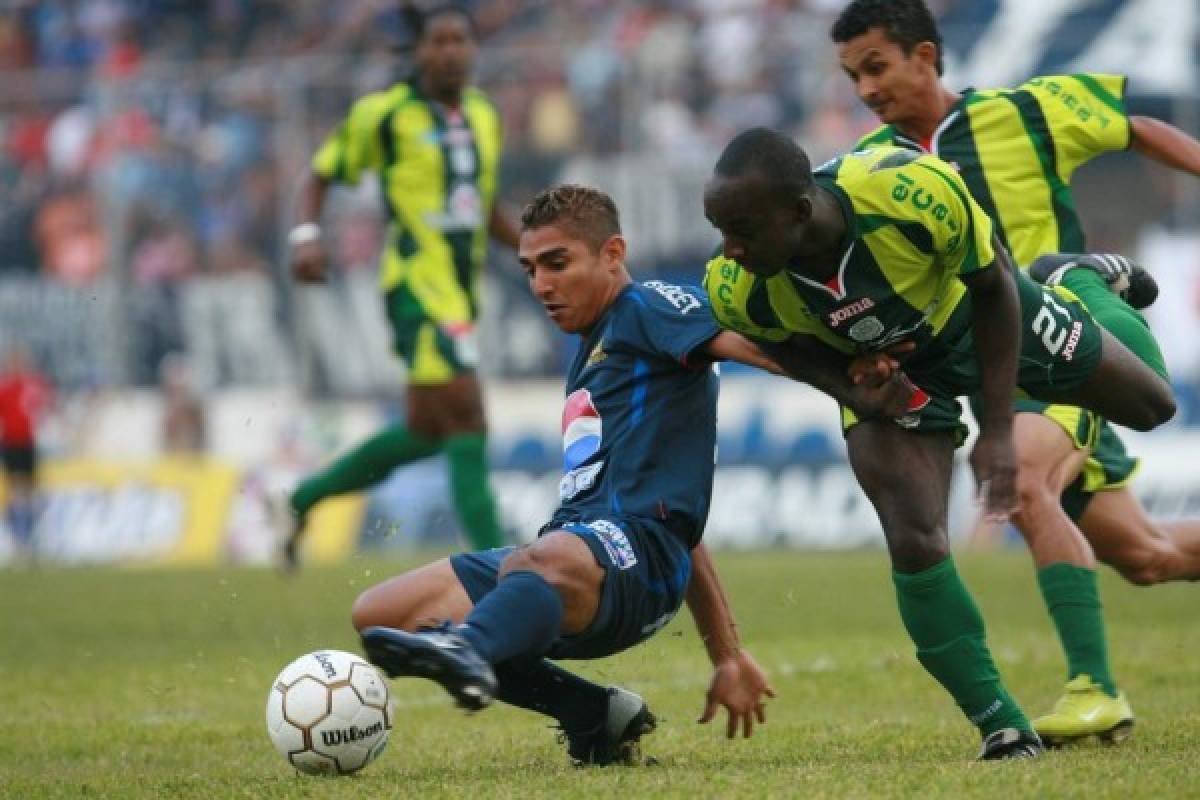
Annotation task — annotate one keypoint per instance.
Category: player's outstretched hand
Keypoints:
(740, 685)
(308, 262)
(994, 461)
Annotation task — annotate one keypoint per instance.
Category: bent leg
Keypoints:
(455, 412)
(906, 476)
(546, 589)
(434, 593)
(1047, 461)
(428, 594)
(1122, 389)
(1145, 552)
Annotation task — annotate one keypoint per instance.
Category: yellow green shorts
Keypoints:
(1109, 466)
(435, 351)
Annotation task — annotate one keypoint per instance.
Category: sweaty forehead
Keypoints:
(872, 44)
(545, 240)
(733, 195)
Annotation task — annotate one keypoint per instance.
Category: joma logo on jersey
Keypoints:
(846, 312)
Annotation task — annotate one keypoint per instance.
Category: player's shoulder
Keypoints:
(1106, 87)
(739, 300)
(882, 136)
(877, 173)
(658, 296)
(374, 105)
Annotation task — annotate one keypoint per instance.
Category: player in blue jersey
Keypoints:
(622, 552)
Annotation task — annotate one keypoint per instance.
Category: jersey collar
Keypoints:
(931, 146)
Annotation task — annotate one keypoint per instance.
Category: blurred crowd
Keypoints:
(150, 149)
(159, 138)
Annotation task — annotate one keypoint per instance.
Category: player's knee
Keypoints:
(1152, 407)
(366, 611)
(1141, 567)
(1035, 498)
(382, 605)
(562, 560)
(917, 548)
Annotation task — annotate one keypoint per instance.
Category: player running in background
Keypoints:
(1016, 150)
(622, 551)
(887, 246)
(435, 144)
(25, 394)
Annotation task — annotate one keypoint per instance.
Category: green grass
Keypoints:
(120, 683)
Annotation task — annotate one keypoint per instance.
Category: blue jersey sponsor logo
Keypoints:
(583, 429)
(615, 542)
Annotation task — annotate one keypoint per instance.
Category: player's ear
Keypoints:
(804, 209)
(926, 53)
(613, 251)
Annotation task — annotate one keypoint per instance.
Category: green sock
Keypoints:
(467, 455)
(365, 465)
(1117, 316)
(1073, 601)
(947, 629)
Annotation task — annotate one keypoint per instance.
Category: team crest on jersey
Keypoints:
(583, 429)
(597, 355)
(866, 329)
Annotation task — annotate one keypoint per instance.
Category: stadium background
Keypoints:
(149, 153)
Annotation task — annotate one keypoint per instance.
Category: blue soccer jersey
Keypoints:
(639, 424)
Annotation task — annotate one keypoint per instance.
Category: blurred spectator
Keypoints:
(70, 240)
(184, 423)
(25, 394)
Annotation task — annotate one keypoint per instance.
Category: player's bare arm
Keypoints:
(1166, 144)
(730, 346)
(995, 318)
(808, 360)
(738, 683)
(307, 255)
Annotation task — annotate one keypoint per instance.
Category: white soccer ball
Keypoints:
(329, 713)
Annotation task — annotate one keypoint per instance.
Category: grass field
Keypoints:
(122, 683)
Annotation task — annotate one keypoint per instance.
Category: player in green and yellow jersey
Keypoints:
(434, 144)
(1016, 150)
(886, 246)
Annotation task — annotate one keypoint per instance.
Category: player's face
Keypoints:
(890, 82)
(573, 284)
(757, 231)
(446, 53)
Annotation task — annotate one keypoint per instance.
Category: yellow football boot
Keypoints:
(1086, 710)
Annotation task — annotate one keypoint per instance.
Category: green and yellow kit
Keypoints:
(437, 169)
(1016, 150)
(913, 231)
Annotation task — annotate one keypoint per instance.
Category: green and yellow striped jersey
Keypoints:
(1016, 150)
(438, 172)
(912, 231)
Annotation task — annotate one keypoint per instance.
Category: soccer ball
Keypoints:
(329, 713)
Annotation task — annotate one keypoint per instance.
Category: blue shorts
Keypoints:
(646, 572)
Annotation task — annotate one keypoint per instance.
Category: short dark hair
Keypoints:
(419, 19)
(905, 22)
(770, 155)
(586, 213)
